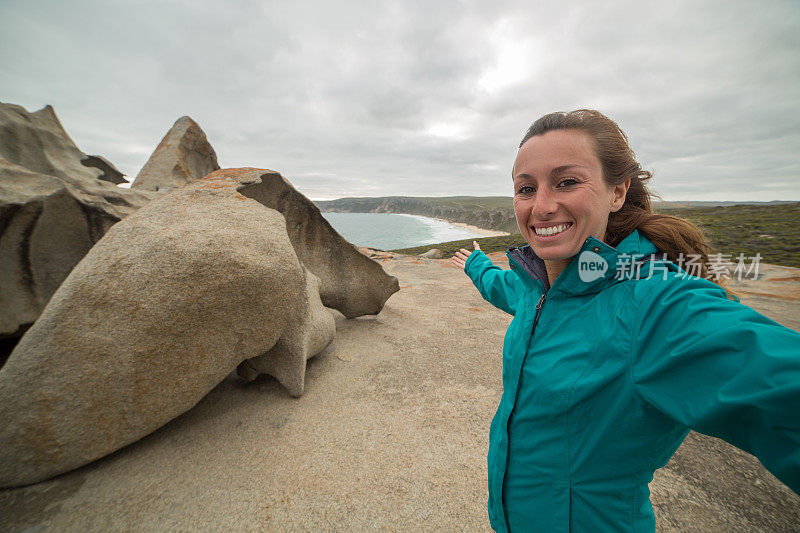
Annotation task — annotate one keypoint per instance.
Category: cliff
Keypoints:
(492, 212)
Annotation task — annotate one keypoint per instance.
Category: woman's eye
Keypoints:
(567, 182)
(525, 189)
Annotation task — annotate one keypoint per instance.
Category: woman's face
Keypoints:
(560, 197)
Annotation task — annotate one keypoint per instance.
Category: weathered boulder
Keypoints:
(433, 253)
(55, 203)
(53, 208)
(159, 311)
(311, 330)
(169, 302)
(183, 155)
(349, 281)
(110, 172)
(38, 142)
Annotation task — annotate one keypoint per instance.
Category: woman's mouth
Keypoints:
(549, 231)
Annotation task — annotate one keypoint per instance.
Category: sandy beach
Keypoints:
(480, 231)
(391, 434)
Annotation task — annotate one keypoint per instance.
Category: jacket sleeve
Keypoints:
(499, 287)
(720, 368)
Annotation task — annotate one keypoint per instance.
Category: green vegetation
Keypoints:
(487, 244)
(773, 230)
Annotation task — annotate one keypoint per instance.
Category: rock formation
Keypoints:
(433, 253)
(183, 155)
(53, 208)
(169, 302)
(286, 361)
(110, 172)
(349, 282)
(37, 141)
(165, 306)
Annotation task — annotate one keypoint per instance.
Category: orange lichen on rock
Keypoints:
(227, 173)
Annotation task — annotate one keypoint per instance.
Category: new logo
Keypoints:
(591, 266)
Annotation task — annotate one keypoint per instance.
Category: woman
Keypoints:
(605, 374)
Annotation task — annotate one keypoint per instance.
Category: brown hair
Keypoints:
(671, 235)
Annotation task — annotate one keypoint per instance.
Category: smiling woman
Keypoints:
(560, 196)
(607, 364)
(593, 138)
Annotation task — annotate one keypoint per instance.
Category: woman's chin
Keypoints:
(554, 252)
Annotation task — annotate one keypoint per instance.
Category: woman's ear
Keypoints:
(619, 195)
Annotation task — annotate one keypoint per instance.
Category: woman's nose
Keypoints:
(544, 203)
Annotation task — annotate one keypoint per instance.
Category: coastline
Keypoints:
(437, 222)
(480, 231)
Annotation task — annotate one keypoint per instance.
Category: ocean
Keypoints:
(389, 231)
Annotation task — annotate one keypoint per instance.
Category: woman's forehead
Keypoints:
(556, 150)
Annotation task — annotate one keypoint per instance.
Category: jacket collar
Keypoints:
(594, 268)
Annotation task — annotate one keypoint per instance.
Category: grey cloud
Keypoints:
(345, 98)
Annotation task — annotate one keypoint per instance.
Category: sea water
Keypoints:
(389, 231)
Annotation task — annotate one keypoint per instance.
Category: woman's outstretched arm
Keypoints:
(501, 288)
(720, 368)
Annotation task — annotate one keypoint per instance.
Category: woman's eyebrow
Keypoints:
(554, 172)
(562, 168)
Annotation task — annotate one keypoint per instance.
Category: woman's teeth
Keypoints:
(552, 230)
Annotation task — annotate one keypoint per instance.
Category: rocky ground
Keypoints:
(391, 434)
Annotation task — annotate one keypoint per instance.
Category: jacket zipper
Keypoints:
(538, 311)
(533, 329)
(539, 304)
(516, 392)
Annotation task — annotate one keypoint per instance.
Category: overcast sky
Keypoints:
(428, 98)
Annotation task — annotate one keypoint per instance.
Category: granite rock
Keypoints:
(183, 155)
(350, 282)
(433, 253)
(37, 141)
(159, 311)
(311, 330)
(55, 204)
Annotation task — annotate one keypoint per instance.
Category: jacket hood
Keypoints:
(594, 268)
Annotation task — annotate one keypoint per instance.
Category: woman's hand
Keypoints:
(460, 259)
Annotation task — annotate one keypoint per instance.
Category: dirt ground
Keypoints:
(391, 434)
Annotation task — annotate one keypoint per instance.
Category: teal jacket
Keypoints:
(603, 379)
